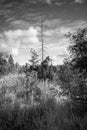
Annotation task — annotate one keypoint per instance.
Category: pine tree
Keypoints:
(11, 63)
(3, 62)
(34, 58)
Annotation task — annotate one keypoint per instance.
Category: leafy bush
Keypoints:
(73, 73)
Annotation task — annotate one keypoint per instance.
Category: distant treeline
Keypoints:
(7, 64)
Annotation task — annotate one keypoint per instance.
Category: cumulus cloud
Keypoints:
(18, 34)
(15, 51)
(13, 40)
(16, 37)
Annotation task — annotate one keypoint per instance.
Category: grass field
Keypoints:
(13, 87)
(48, 111)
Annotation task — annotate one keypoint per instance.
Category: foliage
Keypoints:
(6, 63)
(78, 49)
(44, 70)
(26, 90)
(11, 63)
(3, 62)
(73, 74)
(34, 58)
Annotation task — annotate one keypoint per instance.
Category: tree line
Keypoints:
(7, 64)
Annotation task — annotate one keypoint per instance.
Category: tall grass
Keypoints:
(46, 116)
(13, 89)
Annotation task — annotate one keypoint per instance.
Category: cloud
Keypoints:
(79, 1)
(15, 51)
(19, 42)
(65, 30)
(3, 45)
(21, 24)
(18, 36)
(13, 41)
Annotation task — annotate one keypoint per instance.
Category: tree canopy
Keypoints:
(6, 63)
(78, 49)
(73, 73)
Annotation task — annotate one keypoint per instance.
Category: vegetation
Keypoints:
(47, 116)
(45, 97)
(73, 74)
(34, 58)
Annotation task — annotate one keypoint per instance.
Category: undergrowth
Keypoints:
(47, 116)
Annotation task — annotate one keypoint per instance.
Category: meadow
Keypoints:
(47, 110)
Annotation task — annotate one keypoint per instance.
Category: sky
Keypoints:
(20, 22)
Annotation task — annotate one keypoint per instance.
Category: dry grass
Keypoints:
(11, 80)
(14, 87)
(48, 114)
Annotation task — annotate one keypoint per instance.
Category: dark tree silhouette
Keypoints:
(3, 62)
(6, 63)
(78, 49)
(44, 70)
(74, 71)
(11, 63)
(34, 58)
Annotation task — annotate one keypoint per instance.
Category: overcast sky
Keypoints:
(20, 26)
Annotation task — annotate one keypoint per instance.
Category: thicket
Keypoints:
(44, 69)
(73, 73)
(7, 64)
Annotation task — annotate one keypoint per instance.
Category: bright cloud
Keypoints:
(15, 51)
(29, 34)
(13, 40)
